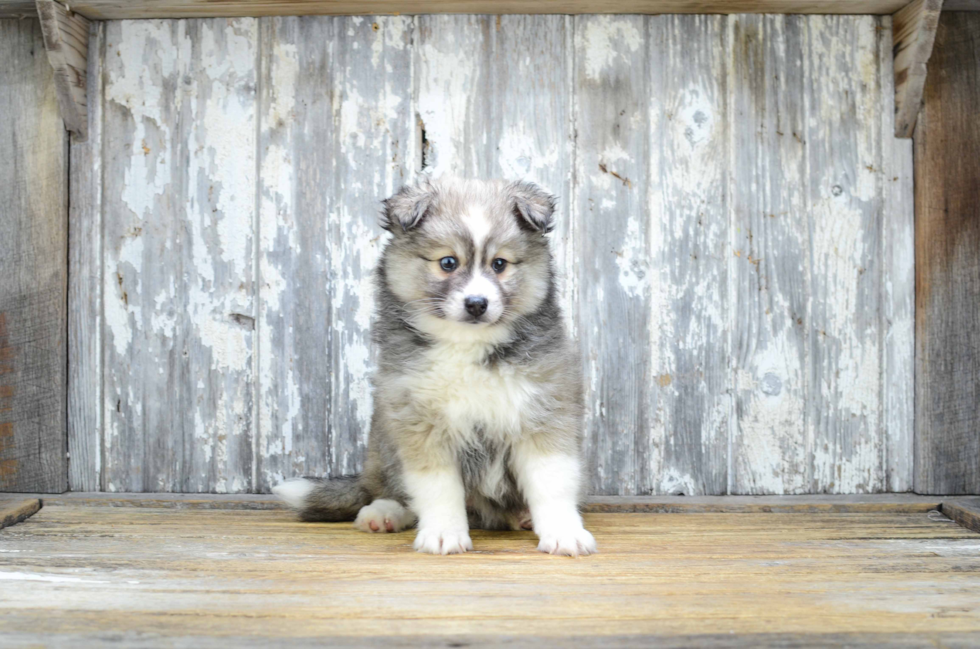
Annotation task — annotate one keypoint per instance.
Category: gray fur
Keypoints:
(528, 337)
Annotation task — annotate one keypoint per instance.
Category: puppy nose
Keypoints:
(476, 305)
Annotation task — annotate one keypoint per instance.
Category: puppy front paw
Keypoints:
(443, 541)
(571, 541)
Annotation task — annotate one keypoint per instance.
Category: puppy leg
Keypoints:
(438, 497)
(384, 515)
(550, 482)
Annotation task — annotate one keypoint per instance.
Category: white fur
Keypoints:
(385, 515)
(550, 484)
(294, 492)
(476, 221)
(478, 286)
(440, 501)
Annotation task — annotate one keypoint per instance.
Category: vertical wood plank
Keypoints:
(947, 264)
(613, 242)
(179, 211)
(684, 448)
(843, 146)
(898, 283)
(33, 256)
(85, 286)
(331, 151)
(769, 255)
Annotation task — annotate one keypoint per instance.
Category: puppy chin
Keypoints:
(464, 330)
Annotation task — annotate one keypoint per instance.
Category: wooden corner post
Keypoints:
(66, 41)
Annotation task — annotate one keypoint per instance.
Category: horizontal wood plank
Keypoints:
(965, 511)
(199, 578)
(123, 9)
(13, 511)
(894, 503)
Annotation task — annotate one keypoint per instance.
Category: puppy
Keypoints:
(477, 397)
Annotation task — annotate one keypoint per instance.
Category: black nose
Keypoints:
(476, 305)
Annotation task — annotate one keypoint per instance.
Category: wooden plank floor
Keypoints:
(77, 575)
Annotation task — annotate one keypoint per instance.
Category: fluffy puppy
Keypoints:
(477, 397)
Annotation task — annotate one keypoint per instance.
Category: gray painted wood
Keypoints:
(770, 245)
(897, 285)
(734, 238)
(613, 248)
(947, 264)
(33, 266)
(179, 212)
(330, 151)
(85, 286)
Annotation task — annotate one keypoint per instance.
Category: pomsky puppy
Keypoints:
(478, 396)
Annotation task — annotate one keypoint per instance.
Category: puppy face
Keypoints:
(468, 255)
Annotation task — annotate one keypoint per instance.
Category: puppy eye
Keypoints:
(448, 264)
(499, 265)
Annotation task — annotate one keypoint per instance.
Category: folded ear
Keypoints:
(533, 206)
(406, 209)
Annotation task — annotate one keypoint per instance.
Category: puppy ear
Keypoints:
(533, 206)
(406, 209)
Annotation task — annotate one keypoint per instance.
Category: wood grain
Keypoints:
(914, 30)
(965, 511)
(85, 322)
(66, 41)
(33, 259)
(947, 267)
(733, 241)
(330, 151)
(15, 510)
(879, 503)
(263, 575)
(770, 244)
(132, 9)
(178, 277)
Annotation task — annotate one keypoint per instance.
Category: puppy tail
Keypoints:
(324, 499)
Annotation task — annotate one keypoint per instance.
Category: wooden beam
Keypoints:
(33, 267)
(947, 264)
(129, 9)
(812, 504)
(965, 511)
(913, 32)
(66, 41)
(15, 511)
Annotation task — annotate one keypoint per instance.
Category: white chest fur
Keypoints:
(461, 393)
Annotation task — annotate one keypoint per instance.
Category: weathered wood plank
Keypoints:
(85, 326)
(33, 259)
(864, 503)
(684, 447)
(914, 30)
(15, 510)
(947, 266)
(330, 151)
(83, 572)
(178, 281)
(965, 511)
(613, 244)
(769, 253)
(132, 9)
(898, 284)
(66, 41)
(844, 432)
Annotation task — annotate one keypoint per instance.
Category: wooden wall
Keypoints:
(33, 268)
(947, 205)
(735, 239)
